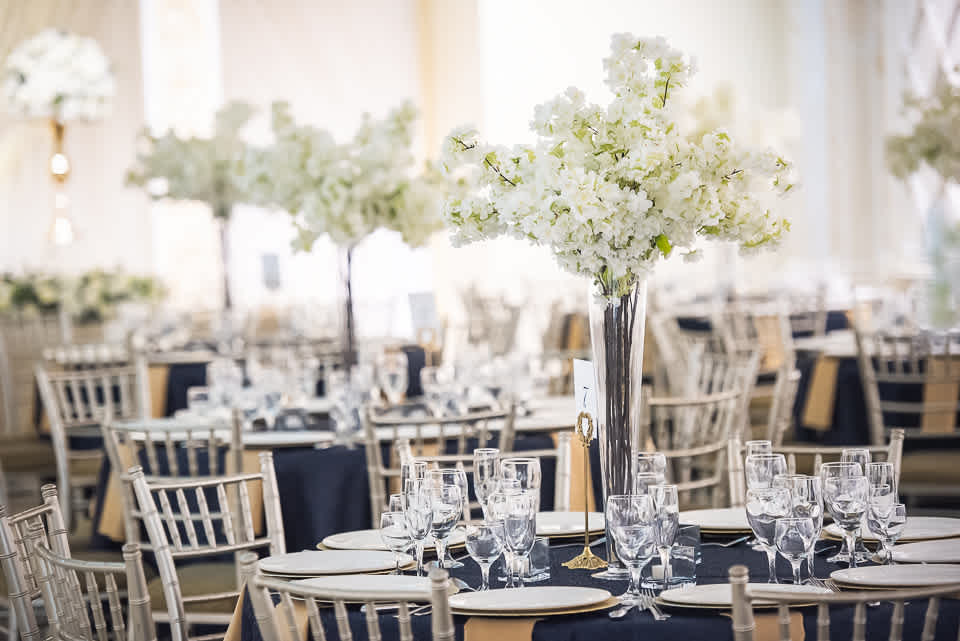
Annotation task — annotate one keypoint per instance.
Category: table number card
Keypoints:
(584, 385)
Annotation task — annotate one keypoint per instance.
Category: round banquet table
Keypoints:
(684, 625)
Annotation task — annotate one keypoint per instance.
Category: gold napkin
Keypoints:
(111, 518)
(299, 618)
(770, 342)
(159, 376)
(501, 629)
(577, 498)
(766, 626)
(236, 620)
(818, 408)
(251, 465)
(943, 392)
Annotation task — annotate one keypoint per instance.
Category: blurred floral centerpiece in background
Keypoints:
(347, 190)
(92, 297)
(202, 169)
(612, 190)
(934, 142)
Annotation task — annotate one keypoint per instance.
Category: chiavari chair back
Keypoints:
(76, 402)
(279, 622)
(744, 623)
(797, 455)
(203, 519)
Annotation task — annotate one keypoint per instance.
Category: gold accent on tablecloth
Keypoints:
(487, 628)
(159, 376)
(111, 518)
(821, 395)
(941, 393)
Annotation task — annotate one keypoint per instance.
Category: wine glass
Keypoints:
(643, 481)
(806, 497)
(887, 522)
(838, 469)
(392, 375)
(520, 530)
(651, 463)
(526, 471)
(446, 504)
(395, 535)
(666, 506)
(859, 455)
(458, 477)
(630, 517)
(764, 507)
(846, 498)
(485, 544)
(795, 538)
(418, 513)
(395, 503)
(882, 474)
(497, 511)
(758, 447)
(486, 467)
(412, 470)
(761, 469)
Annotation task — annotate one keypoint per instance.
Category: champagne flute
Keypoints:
(418, 513)
(486, 467)
(632, 525)
(485, 544)
(666, 506)
(794, 540)
(395, 535)
(764, 507)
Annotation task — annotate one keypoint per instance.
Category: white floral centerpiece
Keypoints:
(60, 76)
(347, 190)
(933, 141)
(611, 191)
(203, 169)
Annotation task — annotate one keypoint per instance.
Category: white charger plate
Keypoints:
(373, 586)
(320, 562)
(719, 595)
(567, 523)
(918, 528)
(533, 599)
(727, 519)
(898, 576)
(370, 540)
(939, 551)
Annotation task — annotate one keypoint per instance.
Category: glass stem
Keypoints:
(771, 564)
(796, 570)
(484, 577)
(396, 560)
(665, 562)
(887, 551)
(420, 557)
(441, 550)
(851, 539)
(810, 560)
(634, 589)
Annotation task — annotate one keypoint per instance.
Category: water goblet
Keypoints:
(764, 507)
(485, 544)
(446, 504)
(651, 463)
(418, 513)
(666, 506)
(520, 529)
(838, 469)
(795, 539)
(758, 447)
(632, 525)
(847, 498)
(859, 455)
(412, 470)
(395, 503)
(806, 497)
(887, 521)
(525, 470)
(761, 469)
(395, 535)
(882, 474)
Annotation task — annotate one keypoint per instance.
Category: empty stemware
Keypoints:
(632, 525)
(761, 469)
(887, 521)
(446, 505)
(847, 498)
(764, 506)
(806, 497)
(395, 535)
(418, 513)
(666, 506)
(485, 545)
(837, 469)
(392, 375)
(795, 538)
(758, 447)
(486, 468)
(520, 529)
(651, 463)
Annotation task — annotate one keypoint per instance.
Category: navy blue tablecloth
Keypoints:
(684, 625)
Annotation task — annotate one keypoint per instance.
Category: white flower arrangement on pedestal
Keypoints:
(611, 190)
(347, 190)
(60, 76)
(933, 140)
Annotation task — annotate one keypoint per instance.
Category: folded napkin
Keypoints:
(821, 395)
(766, 626)
(501, 629)
(159, 376)
(942, 390)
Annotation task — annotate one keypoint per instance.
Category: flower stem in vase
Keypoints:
(346, 296)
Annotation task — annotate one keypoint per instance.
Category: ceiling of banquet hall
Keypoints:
(821, 79)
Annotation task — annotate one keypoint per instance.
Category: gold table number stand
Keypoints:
(586, 560)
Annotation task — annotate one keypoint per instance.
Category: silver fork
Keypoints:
(650, 603)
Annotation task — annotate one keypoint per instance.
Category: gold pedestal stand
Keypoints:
(586, 560)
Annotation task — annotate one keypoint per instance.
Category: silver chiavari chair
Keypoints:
(280, 622)
(744, 623)
(197, 519)
(800, 456)
(390, 427)
(76, 402)
(73, 594)
(167, 452)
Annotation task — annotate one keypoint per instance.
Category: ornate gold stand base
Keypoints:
(587, 560)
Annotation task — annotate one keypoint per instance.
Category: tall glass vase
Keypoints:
(347, 326)
(221, 214)
(616, 334)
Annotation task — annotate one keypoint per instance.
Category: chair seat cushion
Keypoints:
(940, 467)
(196, 579)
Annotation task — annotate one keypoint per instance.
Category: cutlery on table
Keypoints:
(650, 603)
